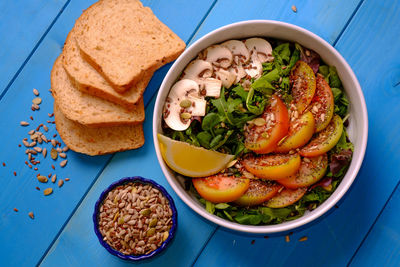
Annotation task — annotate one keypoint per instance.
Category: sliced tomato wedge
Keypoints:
(286, 197)
(300, 132)
(258, 192)
(302, 79)
(322, 105)
(221, 188)
(311, 171)
(272, 167)
(274, 126)
(325, 140)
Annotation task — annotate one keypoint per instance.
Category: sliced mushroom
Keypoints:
(241, 54)
(254, 68)
(198, 69)
(226, 77)
(218, 55)
(260, 49)
(183, 102)
(212, 87)
(238, 71)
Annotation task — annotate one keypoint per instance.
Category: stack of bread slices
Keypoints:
(99, 79)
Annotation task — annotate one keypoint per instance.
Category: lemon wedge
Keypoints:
(191, 160)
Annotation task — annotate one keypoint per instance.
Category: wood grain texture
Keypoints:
(22, 25)
(17, 230)
(78, 245)
(368, 44)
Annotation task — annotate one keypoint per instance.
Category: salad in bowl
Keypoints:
(256, 130)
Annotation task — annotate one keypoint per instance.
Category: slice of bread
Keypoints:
(124, 40)
(88, 80)
(87, 109)
(97, 141)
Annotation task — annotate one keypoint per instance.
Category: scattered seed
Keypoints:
(52, 166)
(35, 92)
(266, 237)
(35, 107)
(304, 238)
(45, 128)
(53, 142)
(37, 101)
(53, 153)
(37, 149)
(30, 214)
(31, 118)
(63, 163)
(60, 183)
(62, 155)
(24, 123)
(15, 173)
(37, 188)
(259, 121)
(15, 209)
(44, 152)
(42, 179)
(294, 8)
(50, 114)
(67, 179)
(253, 241)
(54, 178)
(287, 238)
(48, 191)
(65, 149)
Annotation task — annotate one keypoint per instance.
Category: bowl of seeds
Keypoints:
(135, 218)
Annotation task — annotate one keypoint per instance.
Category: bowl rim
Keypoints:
(305, 219)
(137, 179)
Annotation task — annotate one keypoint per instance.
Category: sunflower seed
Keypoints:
(62, 155)
(24, 123)
(65, 149)
(294, 8)
(44, 152)
(54, 178)
(35, 92)
(45, 128)
(30, 214)
(38, 149)
(53, 142)
(42, 179)
(53, 153)
(37, 101)
(48, 191)
(60, 182)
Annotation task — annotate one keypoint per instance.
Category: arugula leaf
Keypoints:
(239, 90)
(281, 53)
(204, 139)
(334, 80)
(255, 109)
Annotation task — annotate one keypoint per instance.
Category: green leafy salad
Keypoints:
(280, 111)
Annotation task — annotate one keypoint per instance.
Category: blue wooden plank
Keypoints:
(325, 17)
(22, 25)
(382, 244)
(333, 241)
(17, 230)
(79, 245)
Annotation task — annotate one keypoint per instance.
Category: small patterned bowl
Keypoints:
(136, 179)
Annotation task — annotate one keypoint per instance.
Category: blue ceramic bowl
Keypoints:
(136, 179)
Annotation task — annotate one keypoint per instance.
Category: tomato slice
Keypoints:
(272, 167)
(221, 188)
(258, 192)
(302, 79)
(286, 197)
(300, 132)
(311, 171)
(325, 140)
(274, 126)
(322, 104)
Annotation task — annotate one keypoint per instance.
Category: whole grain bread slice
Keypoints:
(97, 141)
(124, 40)
(87, 109)
(88, 80)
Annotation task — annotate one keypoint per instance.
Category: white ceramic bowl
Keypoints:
(357, 130)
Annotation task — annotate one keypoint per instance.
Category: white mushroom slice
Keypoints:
(226, 77)
(260, 48)
(183, 101)
(238, 71)
(254, 68)
(198, 69)
(241, 54)
(212, 87)
(218, 55)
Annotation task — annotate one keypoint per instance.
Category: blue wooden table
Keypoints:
(363, 231)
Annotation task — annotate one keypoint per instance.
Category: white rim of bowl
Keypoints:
(286, 226)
